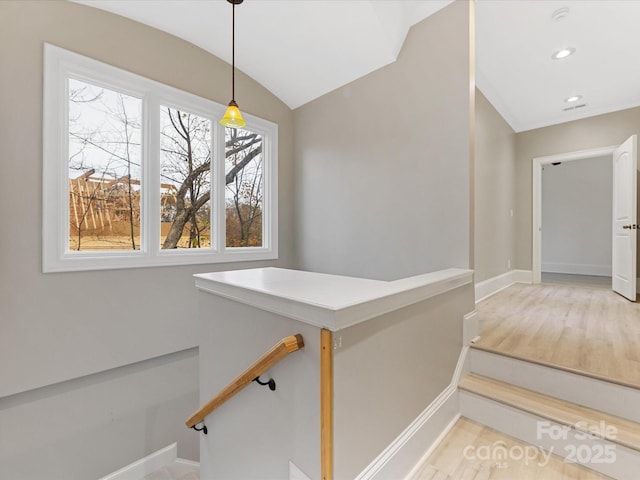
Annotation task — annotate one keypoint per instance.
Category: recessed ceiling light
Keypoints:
(563, 53)
(560, 13)
(573, 98)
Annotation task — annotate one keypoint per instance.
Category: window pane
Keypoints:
(185, 166)
(104, 168)
(244, 188)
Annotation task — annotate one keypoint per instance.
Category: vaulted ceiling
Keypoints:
(514, 69)
(300, 50)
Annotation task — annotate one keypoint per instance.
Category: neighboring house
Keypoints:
(100, 368)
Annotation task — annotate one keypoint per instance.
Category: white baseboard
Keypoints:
(493, 285)
(295, 473)
(406, 451)
(470, 327)
(433, 446)
(140, 468)
(577, 269)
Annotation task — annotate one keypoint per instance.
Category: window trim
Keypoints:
(59, 65)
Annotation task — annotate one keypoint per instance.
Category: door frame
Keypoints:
(536, 227)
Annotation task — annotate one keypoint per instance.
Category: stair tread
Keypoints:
(626, 433)
(468, 452)
(484, 473)
(468, 474)
(427, 472)
(557, 366)
(441, 476)
(465, 472)
(176, 471)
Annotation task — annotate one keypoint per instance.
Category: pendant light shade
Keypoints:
(232, 117)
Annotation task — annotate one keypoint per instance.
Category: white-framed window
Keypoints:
(137, 173)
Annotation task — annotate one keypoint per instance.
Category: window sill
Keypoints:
(88, 261)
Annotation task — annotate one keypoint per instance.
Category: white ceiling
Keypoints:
(300, 50)
(514, 69)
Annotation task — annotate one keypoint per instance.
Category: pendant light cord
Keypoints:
(233, 52)
(232, 116)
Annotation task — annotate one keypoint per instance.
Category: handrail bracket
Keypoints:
(203, 429)
(271, 383)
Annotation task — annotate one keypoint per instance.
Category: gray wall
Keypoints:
(495, 173)
(599, 131)
(257, 433)
(58, 327)
(382, 168)
(577, 205)
(387, 370)
(88, 427)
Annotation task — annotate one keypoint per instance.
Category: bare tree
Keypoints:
(186, 163)
(244, 191)
(185, 168)
(104, 132)
(189, 167)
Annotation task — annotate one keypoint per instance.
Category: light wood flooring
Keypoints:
(593, 331)
(594, 281)
(624, 432)
(466, 451)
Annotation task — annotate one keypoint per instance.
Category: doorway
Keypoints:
(624, 223)
(548, 162)
(577, 207)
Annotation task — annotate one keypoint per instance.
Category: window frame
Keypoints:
(59, 66)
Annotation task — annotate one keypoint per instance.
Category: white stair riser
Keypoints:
(583, 390)
(597, 454)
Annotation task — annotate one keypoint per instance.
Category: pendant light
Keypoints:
(232, 117)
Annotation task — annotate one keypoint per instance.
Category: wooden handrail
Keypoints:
(265, 362)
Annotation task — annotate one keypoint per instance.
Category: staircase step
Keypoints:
(465, 472)
(484, 473)
(601, 442)
(598, 394)
(468, 474)
(615, 429)
(429, 472)
(163, 464)
(441, 476)
(471, 451)
(179, 469)
(425, 473)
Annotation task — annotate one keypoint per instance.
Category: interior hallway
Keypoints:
(590, 330)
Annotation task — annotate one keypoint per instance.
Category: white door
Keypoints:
(625, 165)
